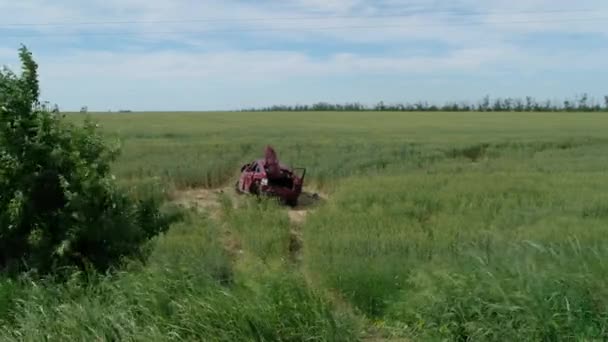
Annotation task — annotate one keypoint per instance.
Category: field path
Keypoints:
(208, 200)
(204, 199)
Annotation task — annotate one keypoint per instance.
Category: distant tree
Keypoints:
(485, 104)
(508, 104)
(529, 104)
(498, 105)
(583, 105)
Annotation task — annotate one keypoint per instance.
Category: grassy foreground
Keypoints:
(439, 226)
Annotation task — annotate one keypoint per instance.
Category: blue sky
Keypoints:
(224, 54)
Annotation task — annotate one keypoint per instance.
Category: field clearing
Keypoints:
(433, 226)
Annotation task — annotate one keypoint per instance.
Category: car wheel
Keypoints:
(254, 188)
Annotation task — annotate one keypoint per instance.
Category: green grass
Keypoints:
(439, 226)
(482, 256)
(205, 149)
(188, 291)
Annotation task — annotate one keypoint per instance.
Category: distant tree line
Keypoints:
(528, 104)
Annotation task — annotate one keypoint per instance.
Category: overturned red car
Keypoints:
(269, 177)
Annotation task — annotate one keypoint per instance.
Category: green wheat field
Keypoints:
(431, 227)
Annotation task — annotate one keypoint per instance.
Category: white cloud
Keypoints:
(427, 20)
(9, 58)
(329, 5)
(277, 65)
(238, 65)
(7, 53)
(469, 36)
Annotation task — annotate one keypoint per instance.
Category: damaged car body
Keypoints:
(269, 177)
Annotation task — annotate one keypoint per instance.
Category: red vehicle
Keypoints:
(268, 177)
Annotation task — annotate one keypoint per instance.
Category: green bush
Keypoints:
(59, 204)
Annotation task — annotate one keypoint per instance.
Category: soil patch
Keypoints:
(307, 202)
(205, 200)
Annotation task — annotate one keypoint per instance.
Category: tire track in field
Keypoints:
(209, 201)
(307, 203)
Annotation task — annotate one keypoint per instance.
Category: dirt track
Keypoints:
(208, 200)
(202, 199)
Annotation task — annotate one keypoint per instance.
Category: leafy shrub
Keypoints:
(59, 204)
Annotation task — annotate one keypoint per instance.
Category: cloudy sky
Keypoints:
(229, 54)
